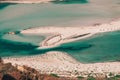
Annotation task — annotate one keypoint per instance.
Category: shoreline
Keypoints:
(64, 65)
(26, 1)
(59, 62)
(70, 34)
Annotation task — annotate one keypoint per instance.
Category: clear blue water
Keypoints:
(100, 48)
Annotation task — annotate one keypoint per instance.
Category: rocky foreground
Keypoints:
(61, 64)
(10, 72)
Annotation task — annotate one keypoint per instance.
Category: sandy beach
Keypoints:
(57, 62)
(60, 35)
(25, 1)
(61, 63)
(64, 65)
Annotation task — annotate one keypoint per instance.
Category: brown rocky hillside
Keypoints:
(9, 72)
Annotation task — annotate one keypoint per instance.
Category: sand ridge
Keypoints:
(62, 35)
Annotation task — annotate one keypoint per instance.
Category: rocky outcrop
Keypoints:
(10, 72)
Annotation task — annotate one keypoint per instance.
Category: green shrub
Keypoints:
(91, 78)
(80, 77)
(110, 74)
(117, 76)
(54, 75)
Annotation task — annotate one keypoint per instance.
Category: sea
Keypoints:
(104, 47)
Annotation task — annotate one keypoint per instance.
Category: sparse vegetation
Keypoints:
(54, 75)
(11, 72)
(116, 77)
(80, 78)
(110, 74)
(91, 78)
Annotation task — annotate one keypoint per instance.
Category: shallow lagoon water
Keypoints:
(99, 48)
(104, 47)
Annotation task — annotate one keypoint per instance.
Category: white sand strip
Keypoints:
(25, 1)
(68, 34)
(64, 65)
(67, 31)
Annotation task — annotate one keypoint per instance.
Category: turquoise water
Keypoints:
(100, 48)
(70, 1)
